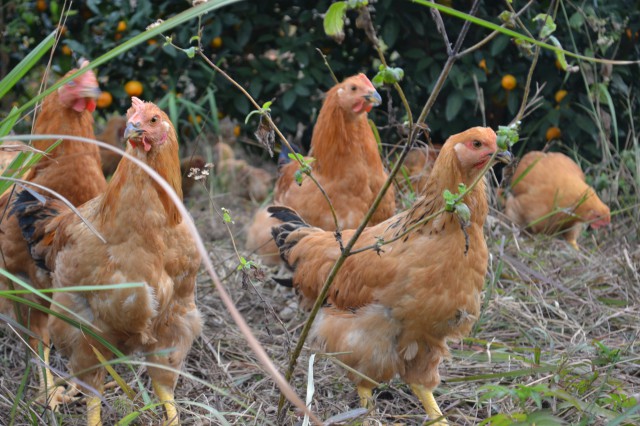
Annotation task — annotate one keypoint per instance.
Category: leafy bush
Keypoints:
(270, 49)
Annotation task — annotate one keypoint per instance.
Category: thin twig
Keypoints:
(324, 58)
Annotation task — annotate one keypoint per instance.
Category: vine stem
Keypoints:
(347, 249)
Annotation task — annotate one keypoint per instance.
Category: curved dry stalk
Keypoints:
(347, 249)
(262, 356)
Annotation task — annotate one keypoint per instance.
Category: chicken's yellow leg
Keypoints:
(165, 395)
(430, 405)
(366, 396)
(51, 394)
(93, 411)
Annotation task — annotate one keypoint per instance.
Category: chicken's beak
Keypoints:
(90, 92)
(504, 157)
(373, 97)
(132, 131)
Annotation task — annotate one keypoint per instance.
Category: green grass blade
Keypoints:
(25, 65)
(20, 393)
(514, 34)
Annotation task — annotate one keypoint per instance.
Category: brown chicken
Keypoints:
(73, 170)
(347, 165)
(112, 134)
(146, 242)
(390, 313)
(553, 197)
(418, 165)
(239, 177)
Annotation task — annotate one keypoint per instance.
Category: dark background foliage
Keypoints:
(270, 49)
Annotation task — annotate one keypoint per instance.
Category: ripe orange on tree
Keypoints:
(66, 50)
(508, 82)
(483, 65)
(104, 100)
(216, 43)
(560, 94)
(122, 26)
(553, 133)
(133, 88)
(236, 131)
(41, 5)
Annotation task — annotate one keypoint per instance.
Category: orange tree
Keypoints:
(270, 49)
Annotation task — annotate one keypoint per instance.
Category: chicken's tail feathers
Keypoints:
(282, 234)
(286, 282)
(33, 217)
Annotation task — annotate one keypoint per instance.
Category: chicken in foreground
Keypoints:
(347, 165)
(390, 313)
(74, 171)
(146, 242)
(551, 196)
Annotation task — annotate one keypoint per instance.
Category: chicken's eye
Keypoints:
(353, 88)
(477, 144)
(154, 119)
(71, 83)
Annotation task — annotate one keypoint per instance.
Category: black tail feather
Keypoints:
(32, 215)
(290, 222)
(286, 282)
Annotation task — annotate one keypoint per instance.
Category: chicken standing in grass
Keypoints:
(390, 313)
(347, 165)
(146, 242)
(74, 171)
(550, 196)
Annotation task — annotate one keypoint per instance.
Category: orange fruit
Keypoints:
(483, 65)
(509, 82)
(216, 43)
(236, 131)
(559, 96)
(41, 5)
(559, 65)
(198, 119)
(122, 26)
(104, 100)
(133, 88)
(66, 50)
(117, 36)
(152, 42)
(553, 133)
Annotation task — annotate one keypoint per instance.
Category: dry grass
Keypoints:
(545, 308)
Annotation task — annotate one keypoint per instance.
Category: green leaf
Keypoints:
(548, 27)
(454, 105)
(191, 52)
(334, 20)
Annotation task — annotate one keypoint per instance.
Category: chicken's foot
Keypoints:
(51, 394)
(93, 411)
(366, 396)
(165, 395)
(430, 405)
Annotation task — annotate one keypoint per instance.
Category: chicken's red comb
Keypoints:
(365, 80)
(136, 103)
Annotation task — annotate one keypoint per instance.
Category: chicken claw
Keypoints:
(165, 395)
(50, 394)
(430, 405)
(366, 396)
(93, 411)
